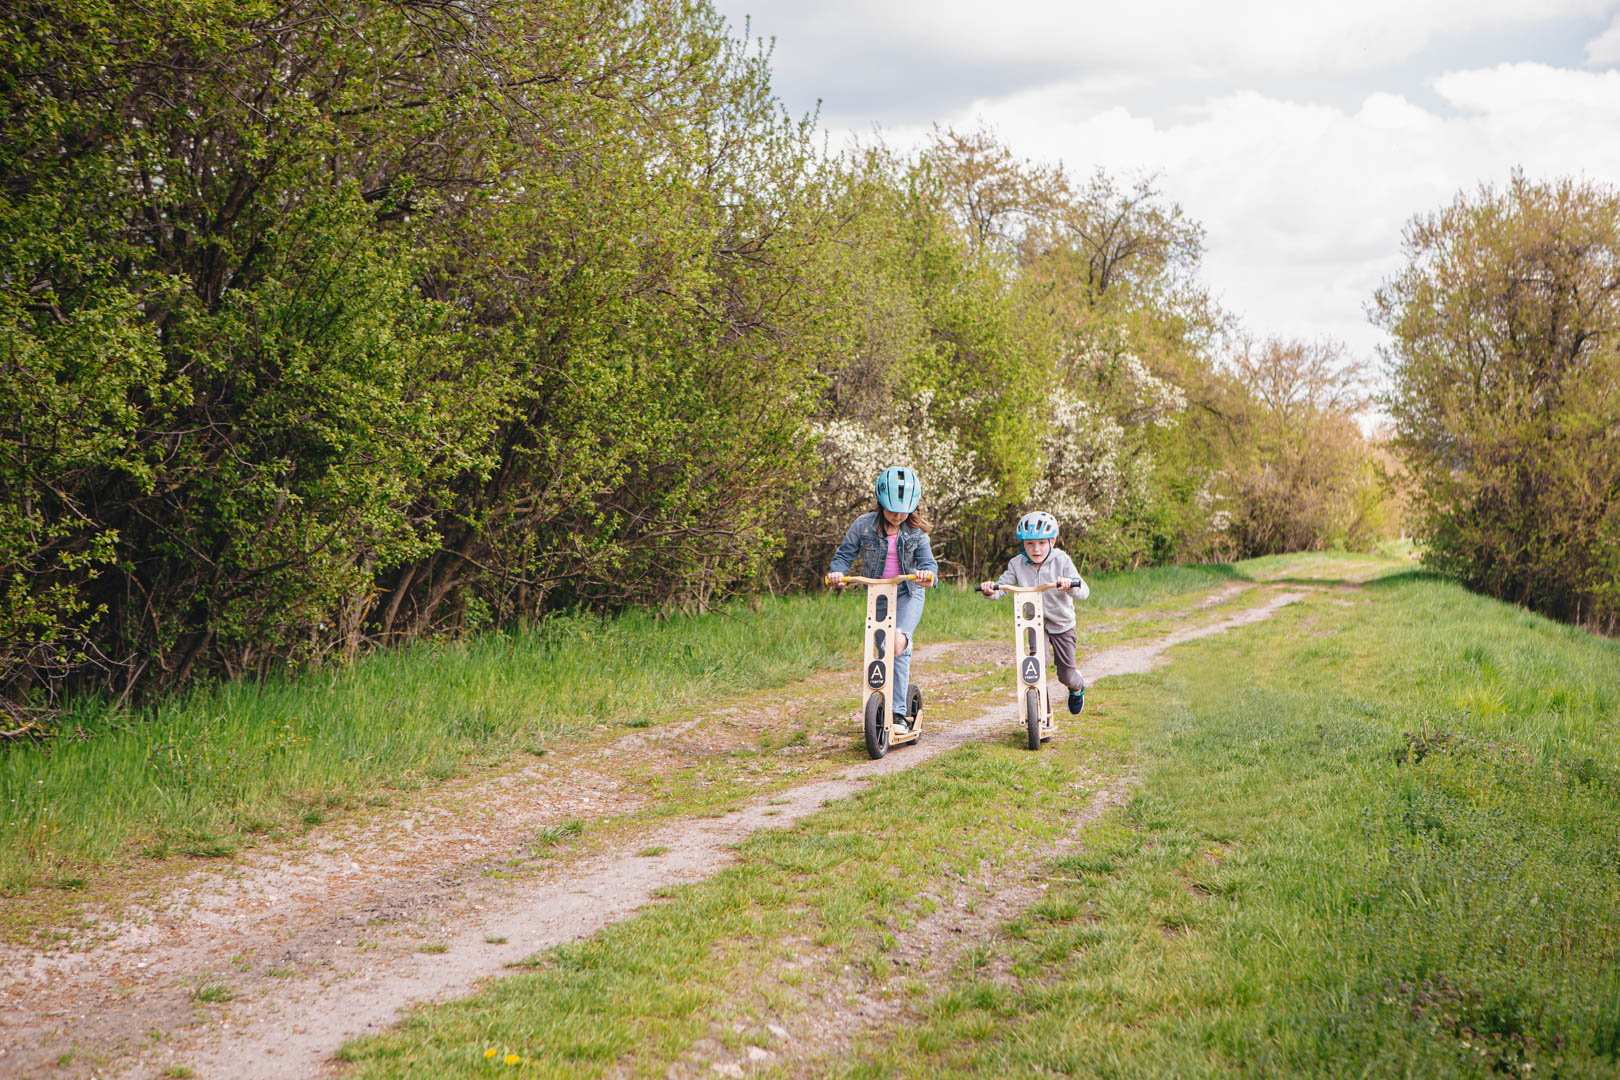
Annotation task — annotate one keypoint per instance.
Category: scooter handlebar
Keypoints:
(1030, 588)
(850, 579)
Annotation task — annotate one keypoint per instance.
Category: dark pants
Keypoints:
(1061, 647)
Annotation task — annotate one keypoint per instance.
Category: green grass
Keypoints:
(1327, 567)
(1374, 841)
(212, 992)
(192, 776)
(1139, 588)
(543, 840)
(206, 773)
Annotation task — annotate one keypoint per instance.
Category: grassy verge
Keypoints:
(204, 774)
(1371, 840)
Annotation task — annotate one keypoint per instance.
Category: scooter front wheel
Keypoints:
(877, 726)
(1032, 717)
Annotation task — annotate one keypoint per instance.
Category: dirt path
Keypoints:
(319, 946)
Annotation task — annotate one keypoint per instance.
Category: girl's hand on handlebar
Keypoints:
(925, 578)
(835, 579)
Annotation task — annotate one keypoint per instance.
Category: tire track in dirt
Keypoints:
(291, 1030)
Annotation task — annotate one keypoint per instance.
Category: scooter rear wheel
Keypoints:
(877, 726)
(914, 710)
(1032, 717)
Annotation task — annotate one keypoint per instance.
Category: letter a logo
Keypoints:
(875, 677)
(1030, 670)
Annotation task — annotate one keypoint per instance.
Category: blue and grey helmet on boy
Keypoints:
(898, 490)
(1037, 525)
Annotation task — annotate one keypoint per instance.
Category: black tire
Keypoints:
(877, 727)
(914, 710)
(1032, 717)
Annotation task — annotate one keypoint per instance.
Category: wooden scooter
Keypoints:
(1031, 699)
(881, 732)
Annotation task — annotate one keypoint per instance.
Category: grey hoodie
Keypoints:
(1059, 603)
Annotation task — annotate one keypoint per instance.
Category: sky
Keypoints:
(1302, 134)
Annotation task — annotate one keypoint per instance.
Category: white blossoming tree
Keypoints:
(1097, 471)
(854, 453)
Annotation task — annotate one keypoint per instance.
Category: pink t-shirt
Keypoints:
(891, 565)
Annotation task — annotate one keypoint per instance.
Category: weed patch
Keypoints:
(544, 840)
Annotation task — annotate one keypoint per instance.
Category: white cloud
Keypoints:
(1304, 204)
(1605, 48)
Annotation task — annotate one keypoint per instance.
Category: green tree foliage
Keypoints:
(325, 324)
(1024, 340)
(1506, 391)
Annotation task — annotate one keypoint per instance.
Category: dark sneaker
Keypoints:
(902, 721)
(1077, 700)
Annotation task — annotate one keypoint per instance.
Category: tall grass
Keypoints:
(203, 773)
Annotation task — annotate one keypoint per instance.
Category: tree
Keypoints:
(1505, 364)
(1298, 473)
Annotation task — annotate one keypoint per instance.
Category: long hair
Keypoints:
(917, 519)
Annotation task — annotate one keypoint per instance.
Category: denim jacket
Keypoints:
(865, 537)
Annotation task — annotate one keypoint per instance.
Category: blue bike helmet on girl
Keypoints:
(898, 490)
(1037, 525)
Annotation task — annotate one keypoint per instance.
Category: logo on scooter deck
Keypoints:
(1030, 670)
(875, 675)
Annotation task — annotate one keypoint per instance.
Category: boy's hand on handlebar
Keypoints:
(1065, 583)
(987, 587)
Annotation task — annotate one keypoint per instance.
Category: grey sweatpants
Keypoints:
(1061, 646)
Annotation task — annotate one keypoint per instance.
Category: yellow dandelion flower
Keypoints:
(512, 1059)
(491, 1052)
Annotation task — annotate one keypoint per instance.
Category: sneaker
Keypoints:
(902, 721)
(1077, 700)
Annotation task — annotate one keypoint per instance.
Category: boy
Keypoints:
(1042, 564)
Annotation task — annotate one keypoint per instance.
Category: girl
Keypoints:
(892, 539)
